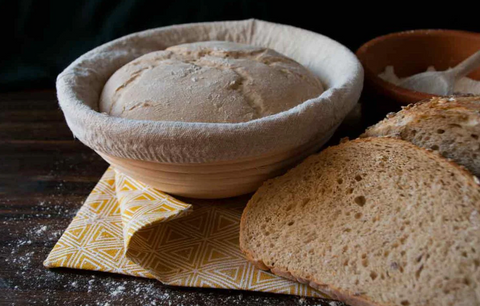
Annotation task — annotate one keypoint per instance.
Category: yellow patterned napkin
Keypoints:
(129, 228)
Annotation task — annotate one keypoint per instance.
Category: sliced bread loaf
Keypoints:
(450, 126)
(374, 221)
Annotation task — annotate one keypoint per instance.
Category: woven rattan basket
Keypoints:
(211, 160)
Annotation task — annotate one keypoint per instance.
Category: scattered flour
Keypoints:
(28, 245)
(119, 290)
(41, 230)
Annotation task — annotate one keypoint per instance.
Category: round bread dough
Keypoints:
(211, 81)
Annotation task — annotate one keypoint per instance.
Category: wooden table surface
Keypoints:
(45, 175)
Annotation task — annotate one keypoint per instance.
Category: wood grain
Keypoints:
(45, 175)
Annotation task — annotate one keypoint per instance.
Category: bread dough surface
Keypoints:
(212, 81)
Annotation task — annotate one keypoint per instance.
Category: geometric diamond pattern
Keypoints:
(130, 228)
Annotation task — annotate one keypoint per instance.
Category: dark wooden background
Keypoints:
(43, 37)
(45, 175)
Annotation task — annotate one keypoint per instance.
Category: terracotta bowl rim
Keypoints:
(397, 90)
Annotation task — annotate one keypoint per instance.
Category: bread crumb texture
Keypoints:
(449, 126)
(374, 221)
(209, 81)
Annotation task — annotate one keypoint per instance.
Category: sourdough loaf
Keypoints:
(213, 81)
(450, 126)
(374, 221)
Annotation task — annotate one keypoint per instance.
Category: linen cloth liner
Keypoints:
(79, 87)
(127, 227)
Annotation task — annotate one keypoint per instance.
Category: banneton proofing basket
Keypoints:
(211, 160)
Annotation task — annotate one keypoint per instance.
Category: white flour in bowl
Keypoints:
(462, 86)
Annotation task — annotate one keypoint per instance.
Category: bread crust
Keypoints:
(334, 293)
(448, 125)
(469, 105)
(354, 299)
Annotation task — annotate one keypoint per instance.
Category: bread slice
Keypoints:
(374, 221)
(448, 125)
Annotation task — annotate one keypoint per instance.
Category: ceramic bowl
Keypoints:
(410, 52)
